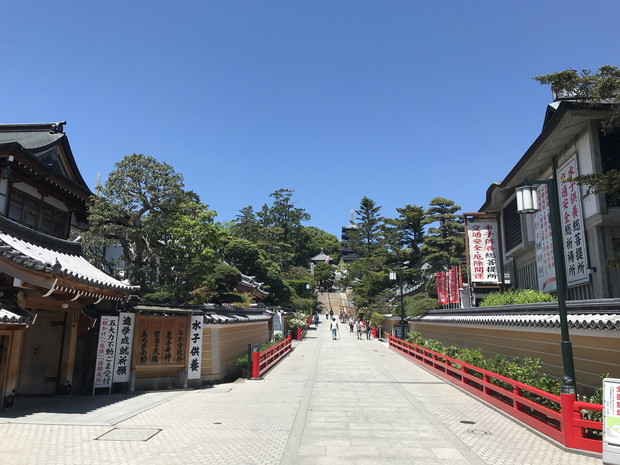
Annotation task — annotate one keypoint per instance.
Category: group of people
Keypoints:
(361, 327)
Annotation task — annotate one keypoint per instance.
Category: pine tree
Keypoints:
(443, 245)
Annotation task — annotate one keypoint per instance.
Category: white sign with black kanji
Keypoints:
(195, 347)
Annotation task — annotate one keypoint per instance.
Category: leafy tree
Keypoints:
(589, 88)
(245, 225)
(443, 245)
(249, 259)
(313, 241)
(324, 274)
(188, 255)
(364, 239)
(404, 235)
(276, 229)
(133, 209)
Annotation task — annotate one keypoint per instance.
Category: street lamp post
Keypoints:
(402, 303)
(527, 202)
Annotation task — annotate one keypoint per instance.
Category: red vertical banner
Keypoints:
(454, 286)
(442, 288)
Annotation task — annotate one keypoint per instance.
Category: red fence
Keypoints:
(301, 332)
(264, 361)
(559, 417)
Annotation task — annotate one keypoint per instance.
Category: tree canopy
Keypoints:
(590, 88)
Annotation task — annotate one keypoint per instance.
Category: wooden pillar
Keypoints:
(10, 363)
(67, 364)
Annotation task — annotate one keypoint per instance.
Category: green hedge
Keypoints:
(516, 296)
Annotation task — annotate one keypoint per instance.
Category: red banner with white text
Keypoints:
(442, 288)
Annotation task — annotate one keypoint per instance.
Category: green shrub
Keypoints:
(516, 296)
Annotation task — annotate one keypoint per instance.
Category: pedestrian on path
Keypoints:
(368, 330)
(358, 327)
(334, 327)
(351, 323)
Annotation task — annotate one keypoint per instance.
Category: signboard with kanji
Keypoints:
(571, 219)
(442, 288)
(162, 340)
(106, 348)
(124, 344)
(483, 248)
(195, 347)
(611, 420)
(543, 241)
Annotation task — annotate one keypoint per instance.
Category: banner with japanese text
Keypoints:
(483, 247)
(453, 288)
(162, 340)
(442, 288)
(106, 346)
(543, 242)
(195, 348)
(124, 344)
(571, 218)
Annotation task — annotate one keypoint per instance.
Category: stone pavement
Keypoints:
(329, 402)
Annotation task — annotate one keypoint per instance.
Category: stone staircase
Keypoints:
(335, 301)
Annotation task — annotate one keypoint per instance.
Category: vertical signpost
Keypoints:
(122, 361)
(195, 348)
(106, 349)
(611, 421)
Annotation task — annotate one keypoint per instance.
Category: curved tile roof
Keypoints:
(575, 321)
(73, 267)
(16, 317)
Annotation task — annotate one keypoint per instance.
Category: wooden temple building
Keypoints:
(47, 288)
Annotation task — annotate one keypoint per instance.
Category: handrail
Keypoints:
(563, 423)
(264, 361)
(301, 332)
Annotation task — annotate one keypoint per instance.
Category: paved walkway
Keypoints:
(330, 402)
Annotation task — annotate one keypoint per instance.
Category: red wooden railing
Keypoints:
(565, 425)
(264, 361)
(301, 332)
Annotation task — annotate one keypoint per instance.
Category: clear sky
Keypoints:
(397, 100)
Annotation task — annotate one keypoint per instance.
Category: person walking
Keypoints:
(368, 329)
(358, 327)
(334, 327)
(351, 324)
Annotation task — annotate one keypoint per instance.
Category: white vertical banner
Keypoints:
(124, 344)
(195, 347)
(571, 219)
(106, 346)
(482, 236)
(543, 241)
(611, 415)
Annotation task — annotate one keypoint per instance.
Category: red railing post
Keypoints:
(569, 430)
(255, 362)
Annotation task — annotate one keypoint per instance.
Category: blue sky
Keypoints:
(400, 101)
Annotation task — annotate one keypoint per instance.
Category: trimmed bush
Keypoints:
(516, 296)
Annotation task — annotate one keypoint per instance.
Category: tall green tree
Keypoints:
(133, 209)
(405, 234)
(443, 244)
(365, 239)
(188, 255)
(276, 229)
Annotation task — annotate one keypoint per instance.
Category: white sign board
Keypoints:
(195, 348)
(483, 251)
(106, 346)
(124, 344)
(611, 421)
(573, 227)
(543, 241)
